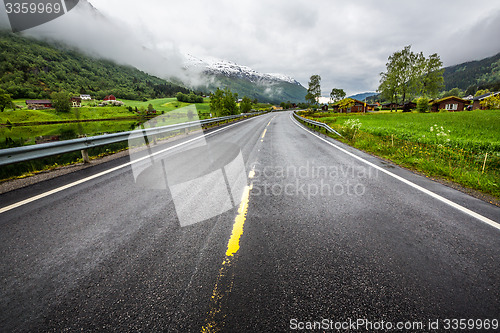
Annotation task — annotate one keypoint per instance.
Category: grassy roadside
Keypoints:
(461, 147)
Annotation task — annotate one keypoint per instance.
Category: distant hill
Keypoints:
(362, 96)
(479, 74)
(34, 69)
(264, 92)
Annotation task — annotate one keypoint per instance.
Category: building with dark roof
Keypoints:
(476, 101)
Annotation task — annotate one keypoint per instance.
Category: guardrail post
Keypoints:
(85, 156)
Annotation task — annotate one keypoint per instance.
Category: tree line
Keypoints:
(223, 103)
(189, 98)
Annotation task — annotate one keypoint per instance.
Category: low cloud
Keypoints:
(346, 43)
(95, 34)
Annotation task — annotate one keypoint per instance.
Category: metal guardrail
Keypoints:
(316, 123)
(26, 153)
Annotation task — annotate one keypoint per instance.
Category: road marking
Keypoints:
(265, 130)
(224, 283)
(234, 242)
(263, 134)
(418, 187)
(81, 181)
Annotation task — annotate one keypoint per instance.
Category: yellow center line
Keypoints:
(263, 134)
(234, 242)
(265, 130)
(224, 283)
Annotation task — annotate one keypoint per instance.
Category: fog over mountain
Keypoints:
(347, 43)
(101, 36)
(94, 33)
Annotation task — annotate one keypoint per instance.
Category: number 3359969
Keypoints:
(32, 8)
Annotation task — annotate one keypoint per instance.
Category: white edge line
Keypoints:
(81, 181)
(418, 187)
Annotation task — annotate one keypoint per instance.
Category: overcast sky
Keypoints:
(346, 42)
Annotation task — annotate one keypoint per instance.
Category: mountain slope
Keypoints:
(273, 88)
(30, 68)
(362, 96)
(473, 73)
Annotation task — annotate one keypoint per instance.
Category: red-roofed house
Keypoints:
(110, 98)
(76, 102)
(39, 104)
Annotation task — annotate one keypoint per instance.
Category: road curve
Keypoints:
(298, 231)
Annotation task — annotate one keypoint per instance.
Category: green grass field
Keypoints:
(16, 136)
(43, 116)
(476, 130)
(462, 147)
(90, 112)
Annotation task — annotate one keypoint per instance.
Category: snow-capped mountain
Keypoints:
(266, 87)
(231, 69)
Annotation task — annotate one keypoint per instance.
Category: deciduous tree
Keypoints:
(432, 78)
(223, 103)
(5, 100)
(61, 101)
(314, 90)
(337, 94)
(410, 74)
(245, 105)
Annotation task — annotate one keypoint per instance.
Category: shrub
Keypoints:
(422, 104)
(491, 102)
(350, 128)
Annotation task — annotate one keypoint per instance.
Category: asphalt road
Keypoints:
(260, 226)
